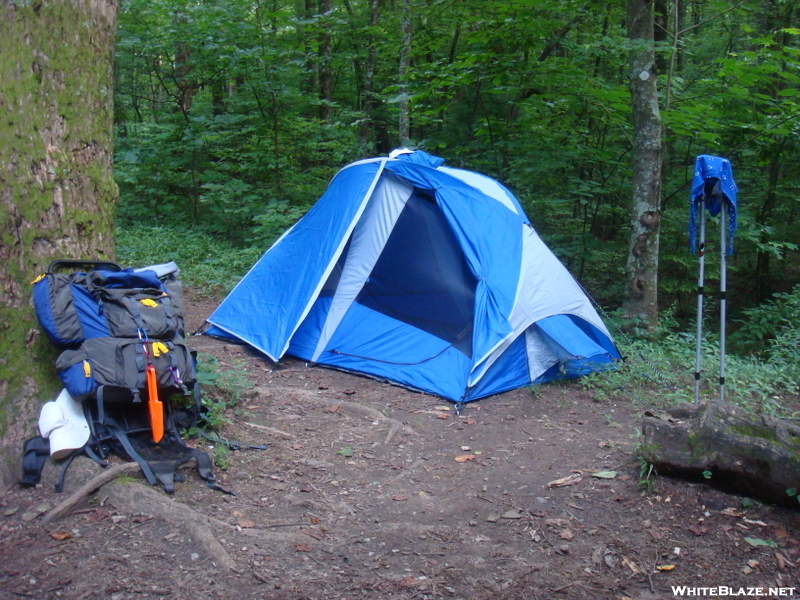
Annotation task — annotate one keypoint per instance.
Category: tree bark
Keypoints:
(57, 194)
(324, 62)
(728, 447)
(640, 307)
(404, 119)
(366, 131)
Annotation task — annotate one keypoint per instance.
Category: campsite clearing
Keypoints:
(372, 491)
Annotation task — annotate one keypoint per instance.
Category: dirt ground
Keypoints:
(371, 491)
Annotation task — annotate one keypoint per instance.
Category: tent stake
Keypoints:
(700, 281)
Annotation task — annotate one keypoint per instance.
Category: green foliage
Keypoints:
(207, 263)
(222, 456)
(647, 476)
(223, 386)
(226, 135)
(772, 328)
(660, 373)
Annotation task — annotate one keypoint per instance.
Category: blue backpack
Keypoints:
(105, 302)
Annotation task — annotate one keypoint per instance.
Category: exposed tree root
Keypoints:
(90, 486)
(394, 424)
(271, 430)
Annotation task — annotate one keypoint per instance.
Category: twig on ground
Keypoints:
(89, 487)
(271, 430)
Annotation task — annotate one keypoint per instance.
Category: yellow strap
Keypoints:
(149, 302)
(37, 280)
(159, 349)
(87, 369)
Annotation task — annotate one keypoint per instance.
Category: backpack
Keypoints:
(106, 302)
(124, 358)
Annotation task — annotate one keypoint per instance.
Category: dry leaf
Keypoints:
(470, 421)
(314, 533)
(665, 567)
(399, 498)
(782, 562)
(442, 408)
(61, 535)
(408, 581)
(732, 512)
(513, 514)
(631, 565)
(302, 548)
(314, 520)
(465, 457)
(565, 481)
(567, 535)
(246, 523)
(780, 532)
(698, 530)
(297, 446)
(442, 416)
(331, 409)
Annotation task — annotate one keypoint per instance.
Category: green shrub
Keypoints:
(207, 264)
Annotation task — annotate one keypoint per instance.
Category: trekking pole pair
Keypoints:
(713, 189)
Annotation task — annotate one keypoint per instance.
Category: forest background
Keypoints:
(231, 117)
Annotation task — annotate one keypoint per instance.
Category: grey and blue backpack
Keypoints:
(112, 326)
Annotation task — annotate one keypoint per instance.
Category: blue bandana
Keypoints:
(712, 170)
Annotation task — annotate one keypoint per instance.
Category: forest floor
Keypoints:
(371, 491)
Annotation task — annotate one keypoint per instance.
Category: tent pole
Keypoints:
(723, 284)
(702, 251)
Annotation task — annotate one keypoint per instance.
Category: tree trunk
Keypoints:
(366, 132)
(324, 62)
(404, 120)
(640, 307)
(727, 446)
(57, 194)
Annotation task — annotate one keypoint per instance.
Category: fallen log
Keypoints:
(728, 447)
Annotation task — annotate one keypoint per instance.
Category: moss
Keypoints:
(756, 431)
(55, 131)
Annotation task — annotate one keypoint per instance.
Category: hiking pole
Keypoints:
(700, 279)
(722, 288)
(713, 188)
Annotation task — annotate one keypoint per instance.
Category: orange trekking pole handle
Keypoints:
(154, 405)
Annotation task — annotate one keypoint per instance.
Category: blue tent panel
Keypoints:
(586, 354)
(509, 372)
(370, 342)
(279, 288)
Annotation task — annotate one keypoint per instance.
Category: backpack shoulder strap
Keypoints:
(35, 452)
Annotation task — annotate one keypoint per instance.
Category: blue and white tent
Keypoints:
(428, 276)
